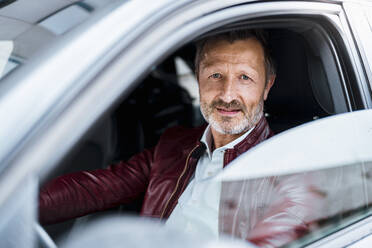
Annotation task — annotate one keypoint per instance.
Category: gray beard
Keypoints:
(244, 125)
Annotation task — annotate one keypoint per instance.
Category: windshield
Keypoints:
(24, 33)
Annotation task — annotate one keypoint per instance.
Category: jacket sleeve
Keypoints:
(77, 194)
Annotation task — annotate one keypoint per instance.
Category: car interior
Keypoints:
(307, 87)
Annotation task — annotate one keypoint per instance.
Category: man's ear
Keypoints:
(269, 84)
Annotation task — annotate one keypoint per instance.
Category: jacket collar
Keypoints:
(207, 139)
(260, 132)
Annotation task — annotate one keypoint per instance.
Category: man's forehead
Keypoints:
(238, 52)
(225, 58)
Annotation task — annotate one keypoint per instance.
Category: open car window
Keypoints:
(296, 197)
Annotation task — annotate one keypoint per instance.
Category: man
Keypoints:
(235, 74)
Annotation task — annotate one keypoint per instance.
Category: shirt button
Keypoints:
(210, 173)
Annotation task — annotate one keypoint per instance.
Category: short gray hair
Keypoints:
(235, 35)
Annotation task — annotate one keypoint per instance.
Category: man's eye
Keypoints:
(216, 75)
(244, 77)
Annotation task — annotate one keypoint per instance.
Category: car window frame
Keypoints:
(109, 78)
(173, 42)
(201, 27)
(361, 25)
(352, 234)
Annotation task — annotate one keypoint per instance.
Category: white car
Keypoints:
(86, 83)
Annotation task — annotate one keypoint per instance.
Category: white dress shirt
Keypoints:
(197, 208)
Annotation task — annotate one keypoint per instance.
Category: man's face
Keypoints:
(232, 84)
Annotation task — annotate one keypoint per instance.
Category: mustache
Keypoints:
(234, 104)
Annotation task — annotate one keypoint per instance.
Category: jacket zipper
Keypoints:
(178, 182)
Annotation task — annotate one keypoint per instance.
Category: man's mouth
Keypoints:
(227, 112)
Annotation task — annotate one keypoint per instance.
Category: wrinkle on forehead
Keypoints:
(245, 52)
(228, 60)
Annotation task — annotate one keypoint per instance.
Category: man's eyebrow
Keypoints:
(209, 63)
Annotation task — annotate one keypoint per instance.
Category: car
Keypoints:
(84, 84)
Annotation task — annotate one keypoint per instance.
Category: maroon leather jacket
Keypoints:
(162, 173)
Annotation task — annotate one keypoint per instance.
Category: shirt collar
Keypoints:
(208, 140)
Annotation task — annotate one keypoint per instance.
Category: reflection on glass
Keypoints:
(275, 211)
(291, 210)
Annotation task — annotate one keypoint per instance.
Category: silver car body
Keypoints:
(51, 101)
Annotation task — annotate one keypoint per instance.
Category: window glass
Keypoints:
(299, 208)
(288, 210)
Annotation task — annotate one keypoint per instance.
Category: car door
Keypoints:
(92, 86)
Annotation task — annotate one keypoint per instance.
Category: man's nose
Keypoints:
(228, 92)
